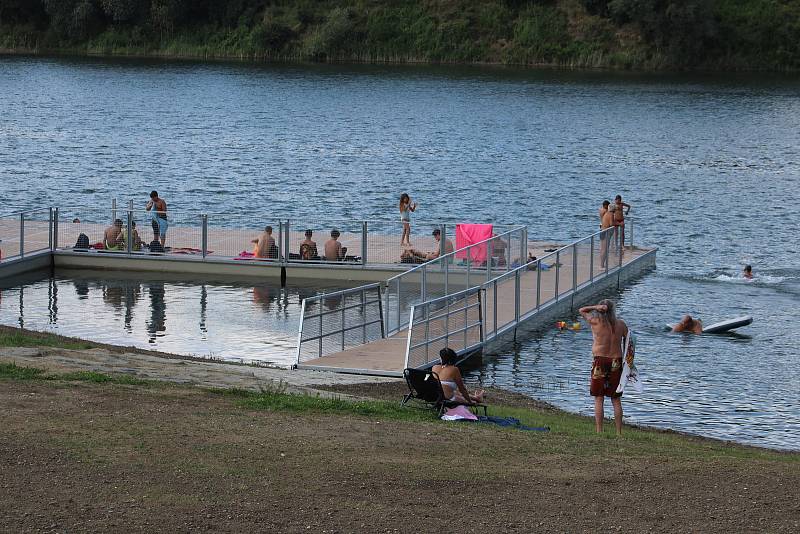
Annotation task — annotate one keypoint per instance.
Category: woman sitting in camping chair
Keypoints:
(452, 383)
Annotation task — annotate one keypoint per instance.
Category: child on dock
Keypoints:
(406, 207)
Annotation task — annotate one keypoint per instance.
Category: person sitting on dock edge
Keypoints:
(112, 237)
(416, 256)
(265, 245)
(308, 248)
(334, 251)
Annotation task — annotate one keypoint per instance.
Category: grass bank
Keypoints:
(93, 452)
(630, 34)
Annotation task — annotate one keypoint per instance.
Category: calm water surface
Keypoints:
(710, 163)
(246, 320)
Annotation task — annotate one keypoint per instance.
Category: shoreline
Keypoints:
(52, 356)
(355, 60)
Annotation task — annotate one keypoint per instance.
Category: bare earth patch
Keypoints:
(79, 456)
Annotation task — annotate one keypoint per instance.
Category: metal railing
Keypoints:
(454, 321)
(501, 303)
(461, 269)
(26, 232)
(333, 322)
(209, 235)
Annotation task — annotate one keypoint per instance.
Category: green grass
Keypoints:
(12, 337)
(12, 371)
(569, 433)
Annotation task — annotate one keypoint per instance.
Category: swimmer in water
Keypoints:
(689, 325)
(748, 272)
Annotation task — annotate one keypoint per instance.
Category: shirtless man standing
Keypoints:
(608, 333)
(602, 211)
(263, 243)
(605, 237)
(158, 209)
(619, 219)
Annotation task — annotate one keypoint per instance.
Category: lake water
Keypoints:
(710, 163)
(241, 320)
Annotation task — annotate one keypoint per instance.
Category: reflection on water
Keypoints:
(236, 320)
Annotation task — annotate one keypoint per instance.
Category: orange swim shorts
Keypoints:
(606, 374)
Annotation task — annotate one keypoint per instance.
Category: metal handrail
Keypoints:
(453, 254)
(321, 296)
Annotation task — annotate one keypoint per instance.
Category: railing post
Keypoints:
(55, 229)
(538, 283)
(380, 311)
(558, 265)
(344, 306)
(398, 304)
(286, 241)
(50, 231)
(517, 293)
(204, 234)
(113, 209)
(608, 235)
(424, 289)
(446, 277)
(442, 247)
(280, 241)
(591, 259)
(364, 243)
(489, 259)
(523, 248)
(21, 235)
(481, 299)
(631, 232)
(129, 235)
(494, 311)
(574, 267)
(469, 264)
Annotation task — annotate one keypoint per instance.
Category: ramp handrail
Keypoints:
(454, 321)
(333, 322)
(443, 274)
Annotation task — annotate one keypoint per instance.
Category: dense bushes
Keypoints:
(626, 33)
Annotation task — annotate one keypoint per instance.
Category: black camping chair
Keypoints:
(424, 386)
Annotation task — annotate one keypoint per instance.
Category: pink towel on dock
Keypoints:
(469, 234)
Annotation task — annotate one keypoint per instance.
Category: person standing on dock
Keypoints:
(406, 207)
(158, 211)
(602, 211)
(608, 333)
(619, 220)
(605, 226)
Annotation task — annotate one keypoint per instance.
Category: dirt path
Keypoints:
(79, 457)
(180, 370)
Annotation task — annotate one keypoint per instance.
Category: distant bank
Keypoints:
(624, 34)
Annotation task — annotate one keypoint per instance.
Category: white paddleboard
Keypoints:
(723, 326)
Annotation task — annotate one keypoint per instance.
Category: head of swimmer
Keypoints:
(687, 321)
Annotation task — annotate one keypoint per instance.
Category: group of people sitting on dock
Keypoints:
(265, 247)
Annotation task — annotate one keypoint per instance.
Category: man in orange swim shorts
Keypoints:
(608, 332)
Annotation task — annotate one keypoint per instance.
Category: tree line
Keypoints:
(617, 33)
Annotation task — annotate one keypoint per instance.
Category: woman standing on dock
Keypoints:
(406, 207)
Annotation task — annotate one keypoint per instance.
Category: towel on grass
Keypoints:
(509, 422)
